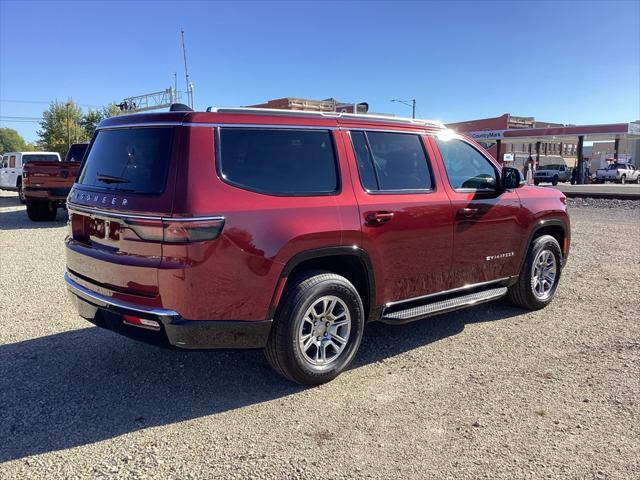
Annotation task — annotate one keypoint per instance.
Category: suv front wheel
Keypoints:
(317, 328)
(538, 280)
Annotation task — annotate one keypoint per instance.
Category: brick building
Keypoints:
(509, 122)
(327, 105)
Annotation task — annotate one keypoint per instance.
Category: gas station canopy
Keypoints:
(589, 133)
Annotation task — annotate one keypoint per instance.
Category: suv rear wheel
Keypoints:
(41, 211)
(554, 181)
(540, 274)
(317, 328)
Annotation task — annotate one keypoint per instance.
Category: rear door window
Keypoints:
(391, 162)
(278, 161)
(129, 160)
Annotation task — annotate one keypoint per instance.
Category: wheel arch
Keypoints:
(352, 263)
(557, 228)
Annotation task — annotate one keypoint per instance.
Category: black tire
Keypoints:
(638, 179)
(41, 211)
(536, 182)
(521, 293)
(554, 181)
(283, 350)
(623, 179)
(21, 196)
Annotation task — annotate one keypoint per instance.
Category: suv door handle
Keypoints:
(378, 218)
(467, 212)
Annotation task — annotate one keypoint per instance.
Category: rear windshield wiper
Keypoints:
(111, 179)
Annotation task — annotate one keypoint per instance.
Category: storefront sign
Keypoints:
(484, 135)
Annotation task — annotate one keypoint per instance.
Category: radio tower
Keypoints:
(186, 72)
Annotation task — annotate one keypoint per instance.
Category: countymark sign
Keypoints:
(486, 135)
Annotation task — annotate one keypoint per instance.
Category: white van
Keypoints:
(11, 168)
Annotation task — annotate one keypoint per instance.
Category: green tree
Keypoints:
(60, 126)
(90, 121)
(11, 141)
(111, 110)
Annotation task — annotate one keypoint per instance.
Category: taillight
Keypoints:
(176, 230)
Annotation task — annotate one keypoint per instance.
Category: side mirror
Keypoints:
(511, 178)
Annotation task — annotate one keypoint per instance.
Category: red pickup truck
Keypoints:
(46, 184)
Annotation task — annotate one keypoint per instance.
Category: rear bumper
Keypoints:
(174, 331)
(38, 193)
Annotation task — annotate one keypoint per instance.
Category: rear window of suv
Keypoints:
(129, 160)
(278, 161)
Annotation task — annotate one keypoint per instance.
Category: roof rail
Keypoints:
(306, 113)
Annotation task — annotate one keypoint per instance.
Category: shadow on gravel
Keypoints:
(18, 220)
(83, 386)
(9, 201)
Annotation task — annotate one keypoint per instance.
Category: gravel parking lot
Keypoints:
(490, 392)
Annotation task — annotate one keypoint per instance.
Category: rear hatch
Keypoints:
(124, 189)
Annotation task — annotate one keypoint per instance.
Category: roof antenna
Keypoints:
(186, 72)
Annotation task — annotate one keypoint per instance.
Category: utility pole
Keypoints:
(186, 72)
(409, 103)
(68, 128)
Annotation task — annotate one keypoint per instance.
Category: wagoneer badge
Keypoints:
(97, 198)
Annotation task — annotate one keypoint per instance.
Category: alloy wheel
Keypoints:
(543, 274)
(324, 331)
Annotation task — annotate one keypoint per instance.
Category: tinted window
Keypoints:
(131, 159)
(466, 167)
(391, 161)
(278, 161)
(39, 158)
(76, 152)
(365, 163)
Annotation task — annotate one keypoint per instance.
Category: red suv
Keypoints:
(249, 228)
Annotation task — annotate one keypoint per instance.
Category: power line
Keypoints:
(42, 102)
(19, 121)
(16, 118)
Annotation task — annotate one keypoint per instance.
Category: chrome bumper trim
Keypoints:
(106, 302)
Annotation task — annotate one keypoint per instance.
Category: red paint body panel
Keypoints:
(411, 254)
(426, 248)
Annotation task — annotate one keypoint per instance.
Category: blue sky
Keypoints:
(572, 62)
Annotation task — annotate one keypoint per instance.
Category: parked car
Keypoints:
(46, 184)
(289, 231)
(12, 165)
(552, 173)
(618, 173)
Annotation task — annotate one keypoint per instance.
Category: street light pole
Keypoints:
(409, 103)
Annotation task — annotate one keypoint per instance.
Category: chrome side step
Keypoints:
(443, 306)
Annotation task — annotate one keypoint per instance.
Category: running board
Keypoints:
(443, 306)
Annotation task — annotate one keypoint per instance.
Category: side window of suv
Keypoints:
(467, 169)
(391, 162)
(278, 161)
